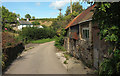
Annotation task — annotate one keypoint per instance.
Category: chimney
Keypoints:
(18, 18)
(27, 19)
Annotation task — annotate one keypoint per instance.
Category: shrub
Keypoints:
(65, 62)
(8, 40)
(10, 49)
(36, 23)
(59, 43)
(11, 53)
(34, 33)
(111, 65)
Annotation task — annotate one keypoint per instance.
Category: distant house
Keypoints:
(82, 39)
(24, 24)
(38, 26)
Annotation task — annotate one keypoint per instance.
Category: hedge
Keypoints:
(11, 53)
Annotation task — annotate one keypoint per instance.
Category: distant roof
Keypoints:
(25, 22)
(85, 15)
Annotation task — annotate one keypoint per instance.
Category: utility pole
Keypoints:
(60, 11)
(71, 6)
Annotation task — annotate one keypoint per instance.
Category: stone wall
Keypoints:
(11, 53)
(85, 50)
(91, 51)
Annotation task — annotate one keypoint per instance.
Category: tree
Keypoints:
(33, 17)
(76, 7)
(7, 16)
(27, 16)
(18, 15)
(36, 23)
(108, 16)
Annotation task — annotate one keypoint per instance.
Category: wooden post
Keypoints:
(69, 40)
(90, 32)
(80, 36)
(60, 11)
(91, 41)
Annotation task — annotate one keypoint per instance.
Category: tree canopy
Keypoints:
(33, 17)
(18, 15)
(7, 16)
(76, 7)
(28, 16)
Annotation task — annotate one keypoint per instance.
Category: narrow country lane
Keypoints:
(39, 60)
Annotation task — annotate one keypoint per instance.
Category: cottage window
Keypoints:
(85, 33)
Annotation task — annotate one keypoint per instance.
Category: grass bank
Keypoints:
(42, 40)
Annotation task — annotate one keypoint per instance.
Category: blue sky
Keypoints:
(38, 9)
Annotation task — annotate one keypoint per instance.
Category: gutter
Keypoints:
(84, 21)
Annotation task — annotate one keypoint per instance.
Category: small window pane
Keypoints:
(86, 33)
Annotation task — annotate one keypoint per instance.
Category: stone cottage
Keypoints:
(82, 39)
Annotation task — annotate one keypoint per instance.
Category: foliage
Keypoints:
(111, 66)
(76, 7)
(42, 40)
(36, 23)
(10, 48)
(60, 40)
(44, 26)
(7, 16)
(58, 26)
(63, 20)
(11, 53)
(65, 62)
(27, 16)
(8, 27)
(18, 15)
(67, 56)
(34, 33)
(33, 17)
(22, 19)
(108, 16)
(70, 17)
(8, 40)
(55, 25)
(47, 19)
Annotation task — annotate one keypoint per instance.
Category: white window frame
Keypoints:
(87, 28)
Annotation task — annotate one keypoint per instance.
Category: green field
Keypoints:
(42, 40)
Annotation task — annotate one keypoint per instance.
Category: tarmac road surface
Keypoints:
(39, 60)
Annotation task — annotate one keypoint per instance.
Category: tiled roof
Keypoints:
(25, 22)
(85, 15)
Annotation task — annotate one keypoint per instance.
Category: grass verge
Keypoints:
(42, 40)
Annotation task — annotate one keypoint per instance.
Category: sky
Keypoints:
(39, 9)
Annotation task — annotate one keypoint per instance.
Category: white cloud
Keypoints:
(13, 11)
(59, 4)
(38, 3)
